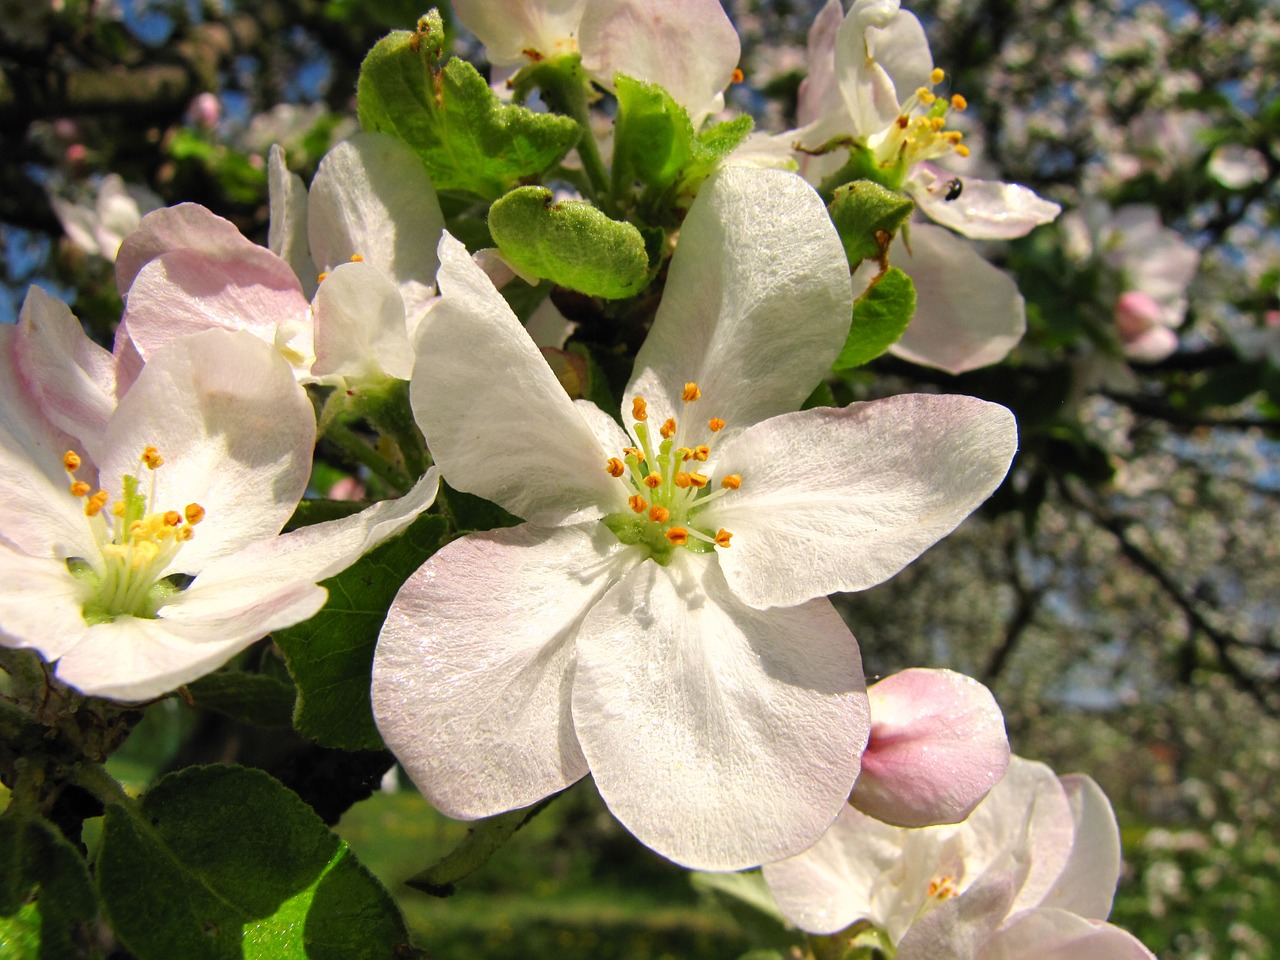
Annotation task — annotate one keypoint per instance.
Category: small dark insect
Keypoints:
(955, 187)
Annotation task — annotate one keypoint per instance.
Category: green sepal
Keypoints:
(330, 656)
(868, 216)
(570, 243)
(226, 863)
(880, 316)
(468, 139)
(47, 903)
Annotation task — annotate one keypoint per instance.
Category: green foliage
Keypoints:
(868, 216)
(330, 656)
(570, 243)
(46, 897)
(254, 698)
(468, 139)
(225, 862)
(879, 318)
(483, 840)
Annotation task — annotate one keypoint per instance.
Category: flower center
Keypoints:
(666, 490)
(136, 545)
(919, 133)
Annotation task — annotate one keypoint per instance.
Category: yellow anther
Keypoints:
(357, 258)
(953, 136)
(634, 452)
(937, 123)
(323, 274)
(722, 537)
(958, 102)
(668, 429)
(653, 481)
(639, 409)
(184, 534)
(682, 480)
(699, 480)
(172, 518)
(151, 457)
(144, 553)
(615, 467)
(903, 122)
(925, 97)
(936, 76)
(637, 503)
(732, 482)
(691, 392)
(71, 461)
(659, 514)
(678, 536)
(194, 514)
(117, 508)
(737, 76)
(686, 453)
(80, 489)
(95, 504)
(715, 424)
(701, 452)
(962, 150)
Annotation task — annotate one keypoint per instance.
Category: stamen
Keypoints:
(737, 76)
(691, 392)
(962, 150)
(653, 481)
(936, 76)
(71, 461)
(637, 503)
(668, 429)
(732, 481)
(678, 536)
(634, 452)
(639, 409)
(659, 514)
(615, 467)
(95, 504)
(323, 274)
(194, 513)
(698, 480)
(80, 489)
(925, 96)
(715, 424)
(958, 102)
(357, 258)
(722, 538)
(151, 457)
(683, 480)
(172, 518)
(686, 454)
(701, 452)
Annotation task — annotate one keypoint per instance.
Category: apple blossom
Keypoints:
(369, 225)
(1030, 874)
(158, 558)
(117, 209)
(660, 618)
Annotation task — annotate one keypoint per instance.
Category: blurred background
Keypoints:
(1118, 594)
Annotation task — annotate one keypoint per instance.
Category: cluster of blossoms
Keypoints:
(660, 617)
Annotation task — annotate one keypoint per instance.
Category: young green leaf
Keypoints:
(867, 216)
(879, 318)
(47, 901)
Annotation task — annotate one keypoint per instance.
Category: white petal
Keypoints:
(985, 209)
(74, 377)
(287, 233)
(968, 313)
(938, 746)
(515, 439)
(306, 555)
(371, 197)
(844, 499)
(360, 326)
(472, 672)
(185, 226)
(41, 605)
(882, 58)
(509, 27)
(236, 432)
(1058, 935)
(959, 928)
(819, 95)
(756, 306)
(689, 47)
(720, 736)
(1087, 884)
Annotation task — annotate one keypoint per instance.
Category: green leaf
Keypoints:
(879, 318)
(481, 842)
(47, 903)
(253, 698)
(330, 656)
(867, 216)
(224, 863)
(570, 243)
(467, 138)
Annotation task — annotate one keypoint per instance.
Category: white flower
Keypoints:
(139, 542)
(116, 212)
(1030, 874)
(654, 620)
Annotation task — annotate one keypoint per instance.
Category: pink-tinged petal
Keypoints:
(236, 433)
(472, 672)
(721, 736)
(984, 210)
(968, 313)
(1088, 882)
(844, 499)
(360, 330)
(41, 605)
(858, 870)
(306, 555)
(137, 659)
(881, 58)
(516, 440)
(1058, 935)
(187, 226)
(38, 513)
(1151, 258)
(960, 927)
(819, 94)
(287, 234)
(937, 747)
(689, 47)
(73, 378)
(185, 291)
(756, 305)
(372, 198)
(1151, 346)
(508, 28)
